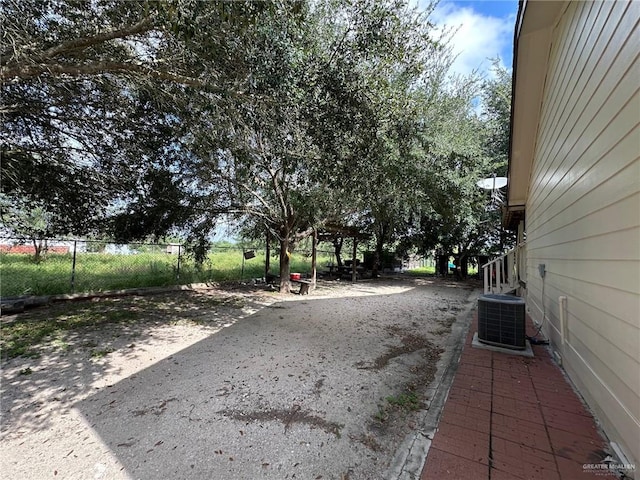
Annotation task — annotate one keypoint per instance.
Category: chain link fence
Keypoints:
(73, 266)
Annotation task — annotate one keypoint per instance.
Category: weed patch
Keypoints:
(23, 336)
(406, 401)
(26, 333)
(102, 352)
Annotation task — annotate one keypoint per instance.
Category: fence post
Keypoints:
(485, 272)
(242, 270)
(178, 268)
(73, 267)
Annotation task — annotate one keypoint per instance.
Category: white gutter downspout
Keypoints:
(562, 300)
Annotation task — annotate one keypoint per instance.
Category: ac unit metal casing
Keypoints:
(501, 321)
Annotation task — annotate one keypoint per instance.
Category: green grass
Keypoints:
(68, 325)
(432, 270)
(19, 338)
(422, 271)
(99, 353)
(95, 272)
(408, 401)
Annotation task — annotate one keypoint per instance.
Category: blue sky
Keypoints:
(485, 30)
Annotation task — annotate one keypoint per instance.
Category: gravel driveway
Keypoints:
(231, 384)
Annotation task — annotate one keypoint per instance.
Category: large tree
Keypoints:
(399, 64)
(472, 143)
(290, 147)
(309, 142)
(93, 93)
(289, 115)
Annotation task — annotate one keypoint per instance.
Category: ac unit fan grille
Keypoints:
(501, 321)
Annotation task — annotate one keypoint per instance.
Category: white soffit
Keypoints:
(532, 56)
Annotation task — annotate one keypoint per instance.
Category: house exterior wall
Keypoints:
(583, 211)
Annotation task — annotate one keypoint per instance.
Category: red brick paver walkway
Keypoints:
(509, 417)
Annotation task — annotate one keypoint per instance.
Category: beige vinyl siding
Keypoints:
(583, 210)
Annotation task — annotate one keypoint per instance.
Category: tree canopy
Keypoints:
(140, 118)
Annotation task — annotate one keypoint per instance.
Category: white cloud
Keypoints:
(477, 38)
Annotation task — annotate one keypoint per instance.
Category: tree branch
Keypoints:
(245, 210)
(252, 193)
(338, 46)
(304, 233)
(142, 26)
(57, 69)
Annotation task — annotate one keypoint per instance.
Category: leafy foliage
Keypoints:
(144, 118)
(93, 93)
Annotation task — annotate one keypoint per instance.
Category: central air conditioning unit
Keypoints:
(501, 321)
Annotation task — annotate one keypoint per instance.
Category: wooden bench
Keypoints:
(304, 286)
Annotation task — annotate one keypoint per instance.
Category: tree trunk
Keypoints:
(377, 256)
(464, 265)
(337, 247)
(443, 264)
(354, 273)
(314, 258)
(267, 257)
(285, 268)
(38, 248)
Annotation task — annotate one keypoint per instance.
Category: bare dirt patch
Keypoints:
(159, 386)
(287, 417)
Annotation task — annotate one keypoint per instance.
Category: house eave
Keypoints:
(532, 46)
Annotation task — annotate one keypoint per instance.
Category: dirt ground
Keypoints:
(228, 383)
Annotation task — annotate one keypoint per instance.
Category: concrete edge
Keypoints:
(133, 291)
(13, 305)
(410, 456)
